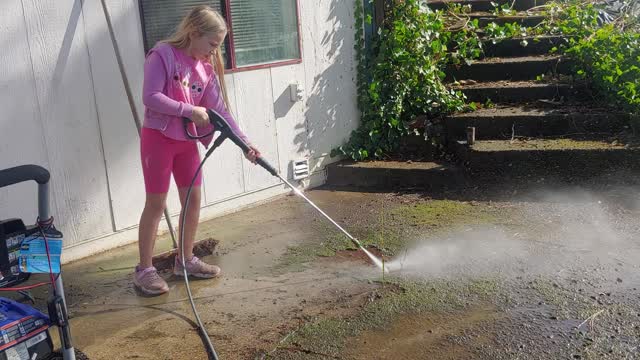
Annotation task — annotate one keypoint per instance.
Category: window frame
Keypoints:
(230, 60)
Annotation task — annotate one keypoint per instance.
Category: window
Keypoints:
(262, 33)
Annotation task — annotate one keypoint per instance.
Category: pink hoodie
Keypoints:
(173, 84)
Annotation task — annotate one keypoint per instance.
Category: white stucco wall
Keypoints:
(64, 107)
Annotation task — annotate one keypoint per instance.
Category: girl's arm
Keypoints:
(213, 99)
(155, 78)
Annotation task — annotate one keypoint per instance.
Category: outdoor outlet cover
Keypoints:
(295, 92)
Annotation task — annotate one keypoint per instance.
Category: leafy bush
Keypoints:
(610, 60)
(402, 76)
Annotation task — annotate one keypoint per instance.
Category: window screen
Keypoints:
(264, 31)
(160, 18)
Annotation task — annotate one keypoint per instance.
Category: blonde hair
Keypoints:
(203, 20)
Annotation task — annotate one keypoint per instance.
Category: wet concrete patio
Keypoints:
(505, 274)
(245, 310)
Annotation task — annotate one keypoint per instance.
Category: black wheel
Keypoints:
(57, 355)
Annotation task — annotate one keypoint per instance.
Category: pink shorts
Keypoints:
(162, 156)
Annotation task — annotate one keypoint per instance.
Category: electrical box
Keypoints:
(296, 92)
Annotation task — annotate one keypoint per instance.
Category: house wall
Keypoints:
(64, 107)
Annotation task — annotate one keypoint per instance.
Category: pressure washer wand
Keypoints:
(226, 132)
(221, 125)
(373, 258)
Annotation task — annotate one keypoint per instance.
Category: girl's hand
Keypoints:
(199, 116)
(253, 154)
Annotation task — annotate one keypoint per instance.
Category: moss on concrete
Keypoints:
(387, 230)
(328, 336)
(437, 213)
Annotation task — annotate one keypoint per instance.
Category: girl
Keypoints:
(183, 76)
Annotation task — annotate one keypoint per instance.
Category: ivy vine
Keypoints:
(402, 76)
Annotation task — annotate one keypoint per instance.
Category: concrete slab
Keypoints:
(250, 305)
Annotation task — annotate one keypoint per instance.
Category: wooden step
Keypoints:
(512, 68)
(522, 46)
(485, 19)
(584, 156)
(485, 5)
(522, 91)
(535, 120)
(394, 174)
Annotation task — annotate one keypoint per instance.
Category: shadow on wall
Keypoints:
(283, 104)
(25, 103)
(331, 112)
(282, 107)
(119, 137)
(49, 86)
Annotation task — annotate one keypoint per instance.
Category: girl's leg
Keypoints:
(185, 165)
(157, 157)
(148, 229)
(146, 277)
(157, 153)
(192, 213)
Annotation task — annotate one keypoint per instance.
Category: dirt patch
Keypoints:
(528, 144)
(436, 213)
(203, 248)
(332, 336)
(422, 165)
(391, 226)
(425, 336)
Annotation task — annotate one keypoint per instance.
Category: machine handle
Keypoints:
(221, 125)
(23, 173)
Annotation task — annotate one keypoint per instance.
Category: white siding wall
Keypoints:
(62, 97)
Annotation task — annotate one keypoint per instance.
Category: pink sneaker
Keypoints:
(149, 282)
(196, 268)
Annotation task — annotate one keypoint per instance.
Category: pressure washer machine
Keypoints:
(26, 251)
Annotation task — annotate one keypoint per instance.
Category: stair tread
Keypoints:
(519, 59)
(390, 164)
(395, 174)
(507, 84)
(437, 2)
(596, 143)
(540, 109)
(529, 37)
(517, 15)
(526, 67)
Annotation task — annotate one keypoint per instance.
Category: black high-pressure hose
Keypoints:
(211, 351)
(219, 124)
